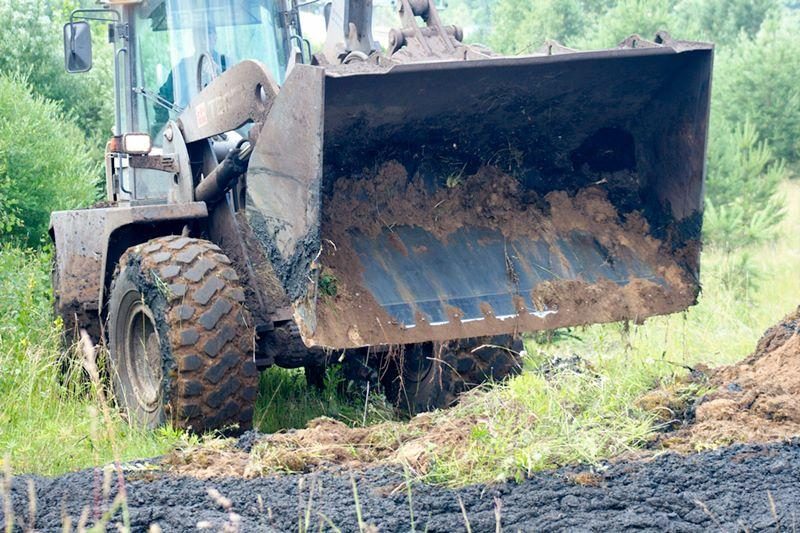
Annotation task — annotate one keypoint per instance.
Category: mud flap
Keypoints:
(434, 201)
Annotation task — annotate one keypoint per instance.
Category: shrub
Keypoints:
(31, 46)
(519, 25)
(522, 27)
(643, 17)
(743, 207)
(45, 163)
(722, 21)
(756, 80)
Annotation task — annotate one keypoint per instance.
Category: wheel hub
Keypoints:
(143, 356)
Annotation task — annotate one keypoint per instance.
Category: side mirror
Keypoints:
(77, 47)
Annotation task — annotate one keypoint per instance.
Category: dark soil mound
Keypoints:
(743, 487)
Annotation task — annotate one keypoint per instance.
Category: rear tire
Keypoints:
(181, 343)
(432, 376)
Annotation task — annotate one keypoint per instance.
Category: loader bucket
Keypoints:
(434, 201)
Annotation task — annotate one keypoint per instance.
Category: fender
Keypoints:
(90, 241)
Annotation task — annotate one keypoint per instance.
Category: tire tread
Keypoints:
(205, 318)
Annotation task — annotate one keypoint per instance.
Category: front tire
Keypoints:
(181, 342)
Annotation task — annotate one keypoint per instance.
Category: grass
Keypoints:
(48, 424)
(285, 401)
(328, 285)
(541, 419)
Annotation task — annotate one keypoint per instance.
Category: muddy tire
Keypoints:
(181, 343)
(432, 376)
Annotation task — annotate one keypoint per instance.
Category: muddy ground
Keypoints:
(738, 488)
(756, 400)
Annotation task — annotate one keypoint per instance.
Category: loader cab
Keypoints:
(165, 53)
(179, 46)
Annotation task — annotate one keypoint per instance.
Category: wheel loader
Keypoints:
(408, 210)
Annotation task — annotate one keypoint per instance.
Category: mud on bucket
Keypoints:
(459, 199)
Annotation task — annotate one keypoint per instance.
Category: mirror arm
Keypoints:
(86, 14)
(118, 92)
(116, 17)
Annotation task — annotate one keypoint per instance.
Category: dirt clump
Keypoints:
(213, 458)
(674, 403)
(489, 198)
(757, 400)
(325, 443)
(389, 197)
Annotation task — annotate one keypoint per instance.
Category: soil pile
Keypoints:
(366, 207)
(325, 443)
(756, 400)
(490, 198)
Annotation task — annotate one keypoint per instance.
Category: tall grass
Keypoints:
(286, 401)
(48, 423)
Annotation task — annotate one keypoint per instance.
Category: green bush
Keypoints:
(721, 21)
(627, 17)
(31, 45)
(45, 163)
(757, 80)
(522, 27)
(743, 206)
